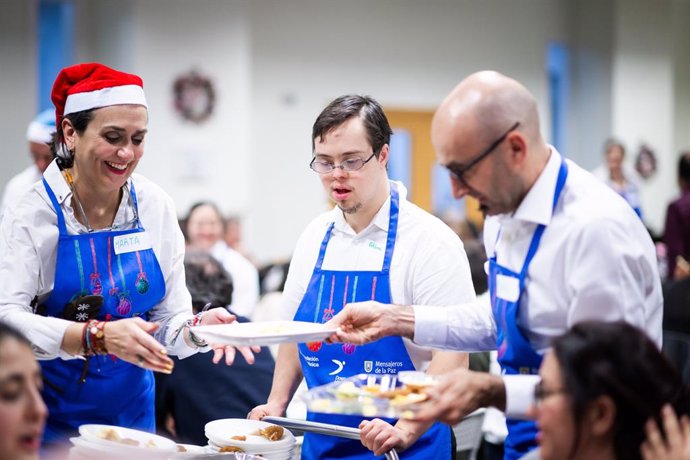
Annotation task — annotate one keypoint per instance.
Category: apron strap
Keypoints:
(392, 227)
(135, 203)
(560, 183)
(324, 243)
(58, 209)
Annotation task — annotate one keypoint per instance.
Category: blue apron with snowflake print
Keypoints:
(125, 284)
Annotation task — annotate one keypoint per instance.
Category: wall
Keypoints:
(275, 64)
(18, 83)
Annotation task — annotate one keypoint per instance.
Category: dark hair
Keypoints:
(7, 331)
(611, 143)
(684, 167)
(207, 280)
(352, 105)
(193, 208)
(618, 360)
(80, 121)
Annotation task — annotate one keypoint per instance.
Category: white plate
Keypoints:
(221, 432)
(263, 332)
(94, 433)
(191, 450)
(256, 450)
(282, 455)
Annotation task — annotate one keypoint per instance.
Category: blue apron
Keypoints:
(326, 295)
(111, 391)
(515, 354)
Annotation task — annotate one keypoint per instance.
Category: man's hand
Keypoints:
(380, 437)
(366, 322)
(265, 410)
(222, 316)
(460, 393)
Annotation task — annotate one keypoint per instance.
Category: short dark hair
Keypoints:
(352, 105)
(7, 331)
(207, 280)
(618, 360)
(684, 167)
(611, 143)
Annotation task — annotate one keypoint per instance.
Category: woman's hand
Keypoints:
(380, 437)
(222, 316)
(677, 443)
(130, 340)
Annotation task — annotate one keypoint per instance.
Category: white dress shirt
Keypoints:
(595, 261)
(18, 186)
(429, 265)
(28, 251)
(245, 278)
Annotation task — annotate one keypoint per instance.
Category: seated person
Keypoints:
(198, 391)
(22, 410)
(600, 384)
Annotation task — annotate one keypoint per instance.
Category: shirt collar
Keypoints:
(537, 206)
(380, 220)
(57, 182)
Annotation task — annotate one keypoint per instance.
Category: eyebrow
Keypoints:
(118, 128)
(344, 154)
(17, 377)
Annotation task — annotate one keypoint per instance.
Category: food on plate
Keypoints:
(347, 390)
(110, 434)
(272, 432)
(239, 438)
(230, 449)
(181, 448)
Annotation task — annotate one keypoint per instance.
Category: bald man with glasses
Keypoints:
(374, 244)
(562, 248)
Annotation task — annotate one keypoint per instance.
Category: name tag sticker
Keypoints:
(131, 242)
(507, 288)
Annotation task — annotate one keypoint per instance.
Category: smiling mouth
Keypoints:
(117, 168)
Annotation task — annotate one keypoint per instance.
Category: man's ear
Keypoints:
(384, 155)
(601, 415)
(518, 147)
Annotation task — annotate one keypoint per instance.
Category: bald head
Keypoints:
(488, 103)
(474, 122)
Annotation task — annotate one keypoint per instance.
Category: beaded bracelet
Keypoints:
(93, 338)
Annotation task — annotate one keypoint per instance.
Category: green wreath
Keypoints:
(194, 97)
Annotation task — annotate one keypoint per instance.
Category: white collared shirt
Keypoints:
(429, 265)
(28, 251)
(245, 278)
(595, 261)
(18, 186)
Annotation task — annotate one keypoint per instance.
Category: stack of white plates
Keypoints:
(220, 434)
(92, 445)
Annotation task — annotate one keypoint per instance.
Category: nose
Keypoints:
(36, 409)
(458, 187)
(338, 172)
(126, 152)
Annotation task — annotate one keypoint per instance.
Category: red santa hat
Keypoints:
(93, 85)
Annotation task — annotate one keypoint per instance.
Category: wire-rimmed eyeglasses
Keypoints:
(348, 165)
(459, 171)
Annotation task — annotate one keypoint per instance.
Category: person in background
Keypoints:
(600, 384)
(233, 237)
(374, 244)
(677, 227)
(22, 410)
(204, 230)
(617, 175)
(39, 134)
(198, 391)
(563, 248)
(91, 262)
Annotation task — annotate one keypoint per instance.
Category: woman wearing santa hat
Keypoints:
(91, 262)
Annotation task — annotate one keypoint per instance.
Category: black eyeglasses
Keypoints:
(349, 165)
(459, 171)
(541, 393)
